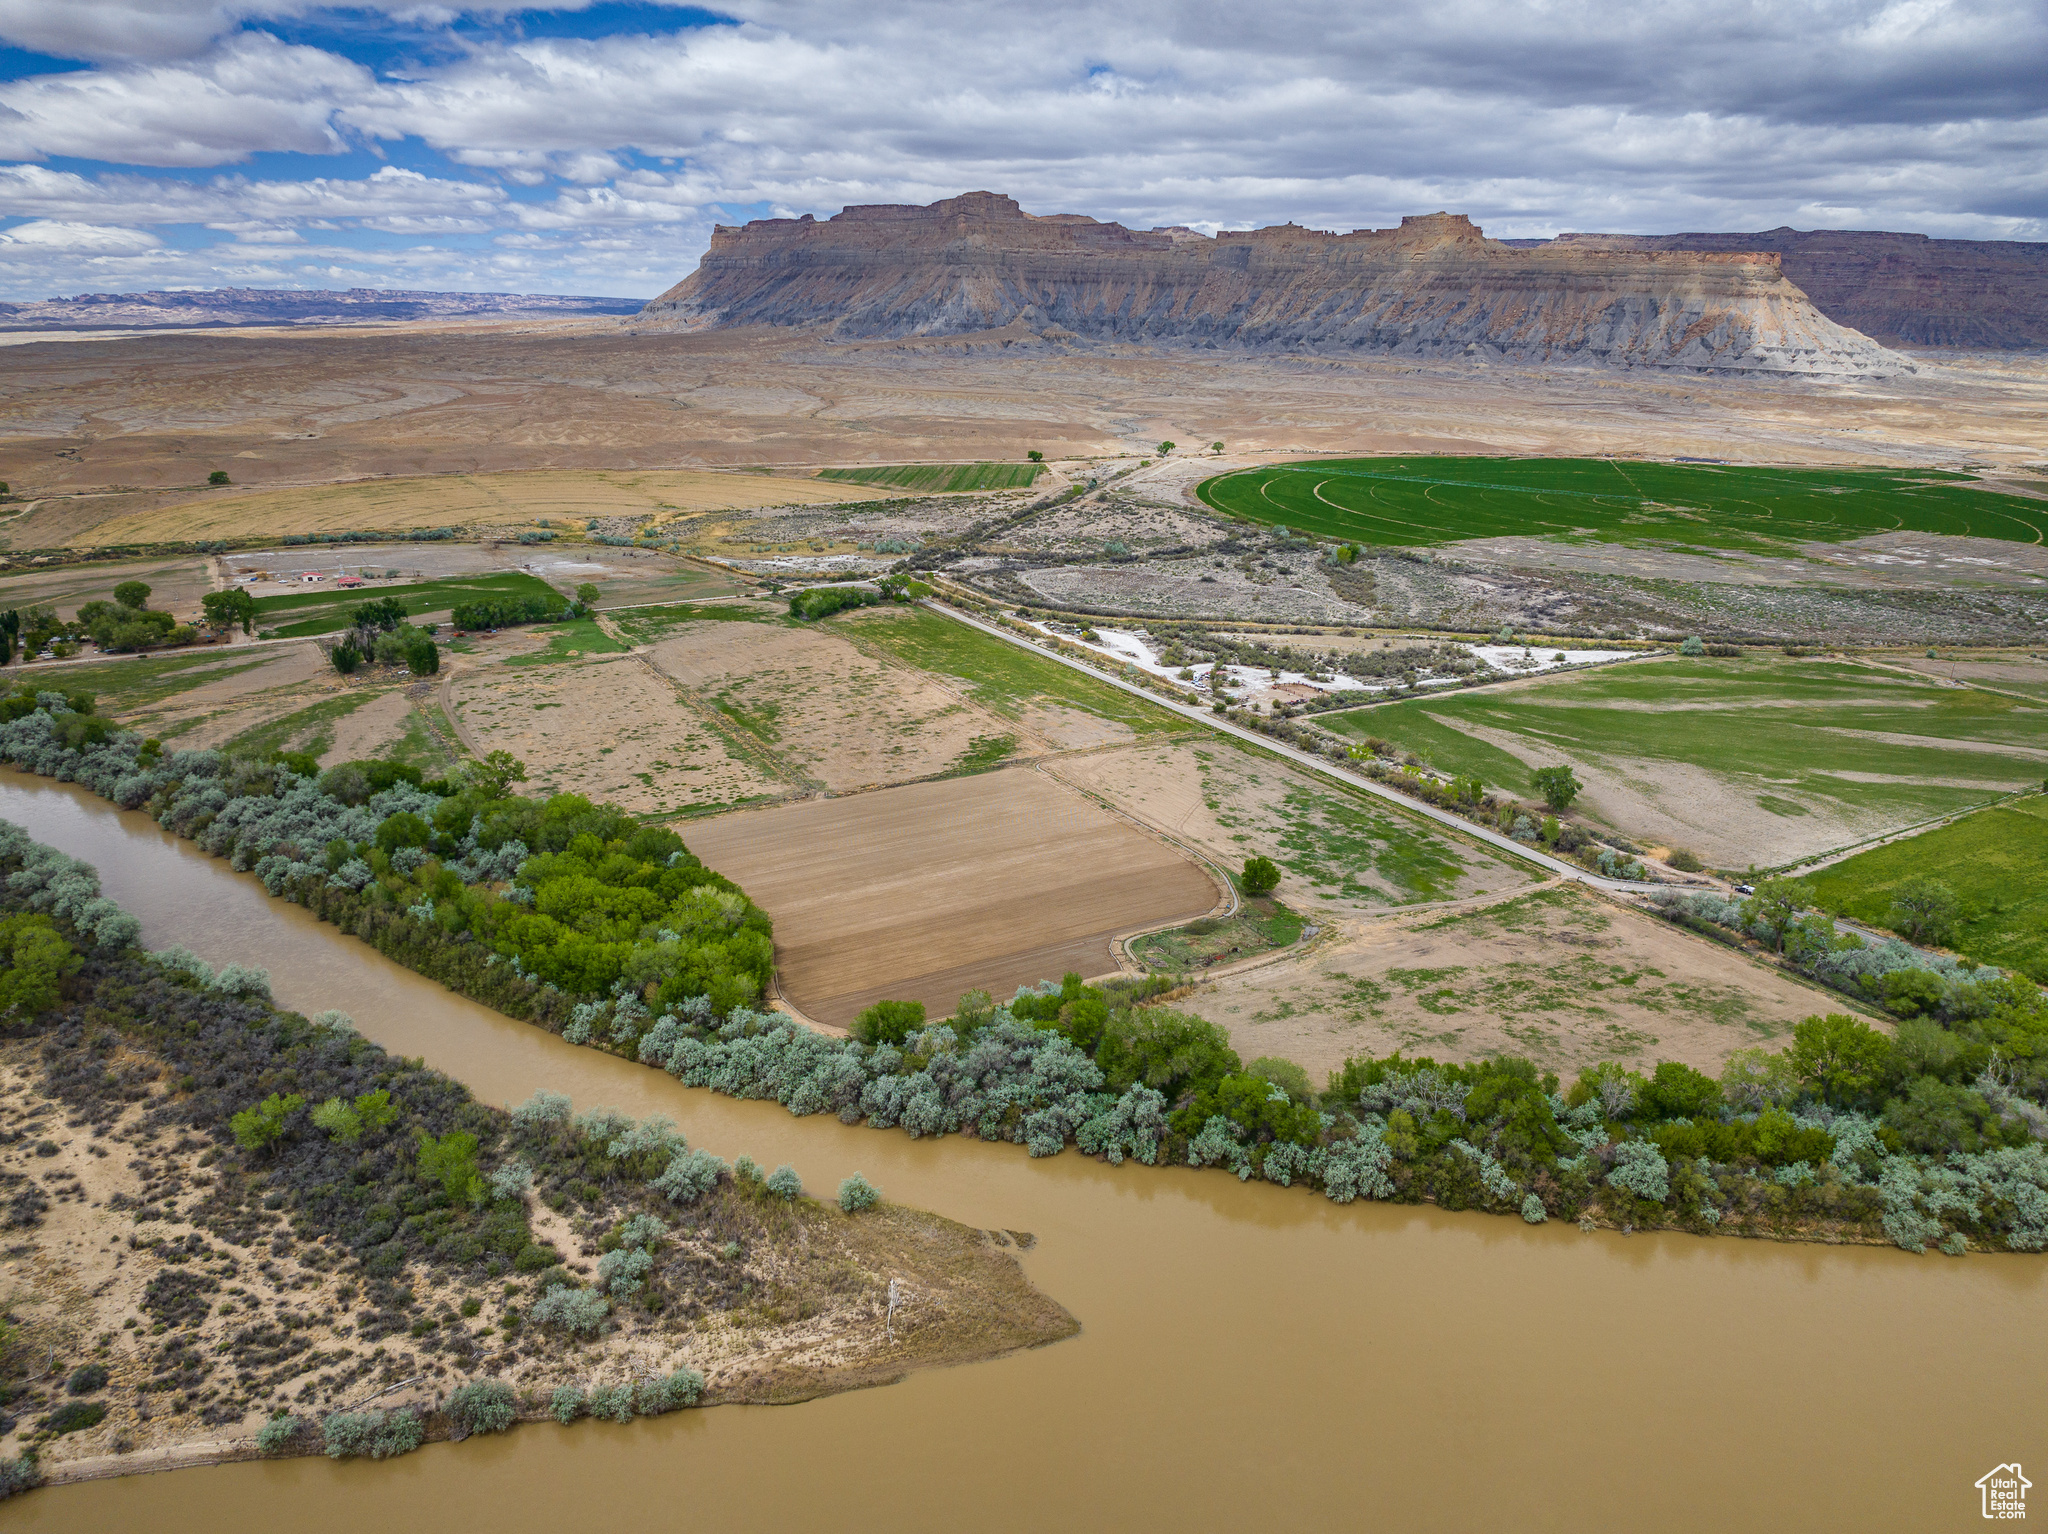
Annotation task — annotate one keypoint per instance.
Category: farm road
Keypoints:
(1316, 764)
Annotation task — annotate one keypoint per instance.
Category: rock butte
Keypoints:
(1435, 287)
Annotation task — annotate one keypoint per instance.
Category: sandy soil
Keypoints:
(926, 891)
(272, 1320)
(1341, 856)
(1558, 975)
(610, 729)
(116, 428)
(830, 713)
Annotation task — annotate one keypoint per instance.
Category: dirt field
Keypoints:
(175, 585)
(927, 891)
(1340, 855)
(1558, 975)
(612, 730)
(830, 714)
(455, 500)
(622, 576)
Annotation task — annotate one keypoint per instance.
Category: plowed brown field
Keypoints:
(926, 891)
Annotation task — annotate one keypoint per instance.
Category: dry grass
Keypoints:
(461, 500)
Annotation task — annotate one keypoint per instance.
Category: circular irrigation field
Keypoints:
(1409, 501)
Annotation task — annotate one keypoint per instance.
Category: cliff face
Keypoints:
(1435, 287)
(1901, 289)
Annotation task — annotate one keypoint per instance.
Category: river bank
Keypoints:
(1446, 1367)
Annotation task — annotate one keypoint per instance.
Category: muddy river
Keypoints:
(1251, 1356)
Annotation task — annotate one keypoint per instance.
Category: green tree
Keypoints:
(496, 773)
(451, 1162)
(1165, 448)
(1215, 447)
(1035, 456)
(337, 1120)
(1679, 1092)
(422, 655)
(1775, 906)
(257, 1129)
(888, 1022)
(346, 657)
(1286, 1075)
(1559, 787)
(39, 959)
(1924, 909)
(217, 477)
(1839, 1056)
(376, 1109)
(1170, 1052)
(224, 609)
(1261, 876)
(588, 594)
(133, 595)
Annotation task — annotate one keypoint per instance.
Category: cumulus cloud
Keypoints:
(1693, 114)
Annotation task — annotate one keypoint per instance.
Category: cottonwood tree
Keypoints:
(1559, 787)
(1925, 909)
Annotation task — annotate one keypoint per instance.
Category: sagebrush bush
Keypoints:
(371, 1434)
(279, 1433)
(784, 1183)
(857, 1193)
(482, 1406)
(573, 1310)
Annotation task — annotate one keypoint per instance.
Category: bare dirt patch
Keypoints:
(1558, 975)
(830, 713)
(175, 585)
(369, 729)
(926, 891)
(1341, 855)
(611, 730)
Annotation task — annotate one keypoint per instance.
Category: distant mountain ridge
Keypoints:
(284, 306)
(1434, 287)
(1900, 289)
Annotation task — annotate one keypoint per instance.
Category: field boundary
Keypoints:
(1523, 856)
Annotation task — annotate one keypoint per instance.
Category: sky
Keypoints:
(589, 148)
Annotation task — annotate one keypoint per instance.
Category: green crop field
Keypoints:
(941, 476)
(1407, 502)
(326, 610)
(1855, 747)
(1000, 676)
(1995, 860)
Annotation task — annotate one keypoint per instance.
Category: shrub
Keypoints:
(1693, 646)
(371, 1434)
(1532, 1209)
(573, 1310)
(568, 1403)
(18, 1475)
(75, 1417)
(612, 1402)
(671, 1392)
(784, 1183)
(1639, 1167)
(1685, 862)
(279, 1433)
(857, 1193)
(823, 601)
(87, 1378)
(690, 1175)
(482, 1406)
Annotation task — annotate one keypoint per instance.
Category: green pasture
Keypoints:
(1408, 502)
(1995, 860)
(933, 477)
(326, 610)
(1801, 737)
(1000, 676)
(646, 625)
(576, 639)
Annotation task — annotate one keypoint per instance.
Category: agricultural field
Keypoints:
(927, 891)
(1995, 861)
(1054, 701)
(611, 730)
(1341, 854)
(928, 478)
(1421, 502)
(175, 585)
(327, 609)
(484, 501)
(831, 715)
(1746, 761)
(1557, 974)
